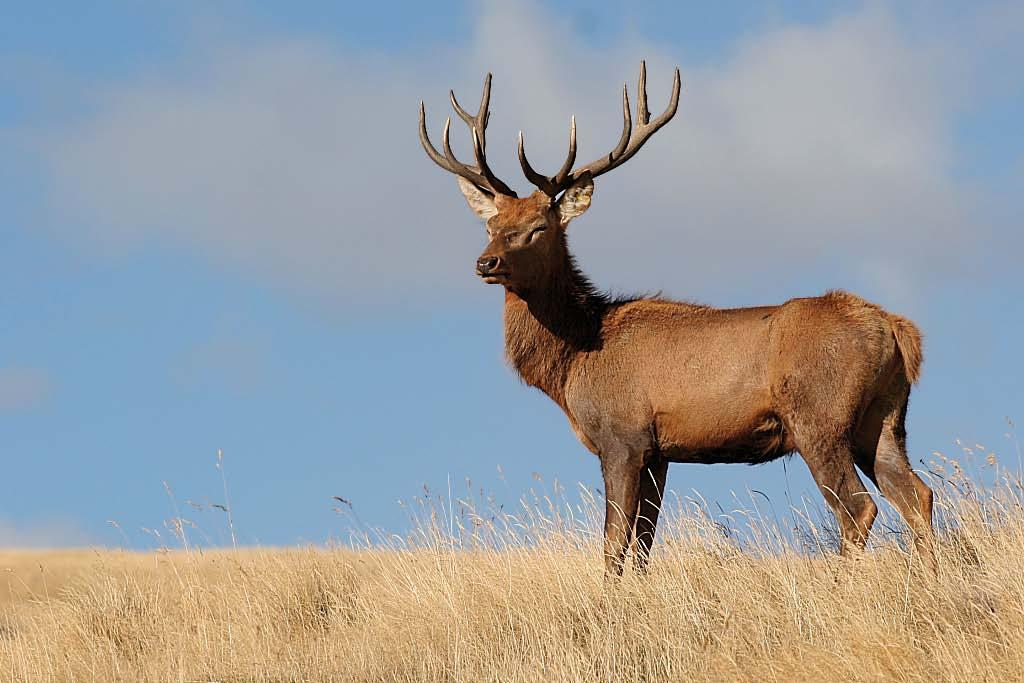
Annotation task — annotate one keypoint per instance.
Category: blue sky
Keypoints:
(219, 232)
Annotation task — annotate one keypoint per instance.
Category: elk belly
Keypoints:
(721, 436)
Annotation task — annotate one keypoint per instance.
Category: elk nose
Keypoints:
(485, 264)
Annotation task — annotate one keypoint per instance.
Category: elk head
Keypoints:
(526, 236)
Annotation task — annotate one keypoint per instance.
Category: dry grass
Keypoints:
(489, 597)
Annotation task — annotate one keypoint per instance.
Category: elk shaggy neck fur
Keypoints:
(546, 327)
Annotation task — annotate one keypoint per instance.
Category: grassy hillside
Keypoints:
(492, 597)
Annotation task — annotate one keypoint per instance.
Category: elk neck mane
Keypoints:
(546, 328)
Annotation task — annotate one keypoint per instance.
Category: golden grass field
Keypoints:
(471, 596)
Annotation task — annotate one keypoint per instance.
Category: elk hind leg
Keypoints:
(832, 465)
(900, 484)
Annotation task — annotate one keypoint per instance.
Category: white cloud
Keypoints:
(301, 163)
(23, 388)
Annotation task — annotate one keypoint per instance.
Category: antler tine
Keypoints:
(481, 161)
(478, 124)
(463, 114)
(570, 159)
(483, 114)
(541, 181)
(627, 124)
(448, 162)
(556, 183)
(673, 102)
(456, 166)
(643, 115)
(428, 146)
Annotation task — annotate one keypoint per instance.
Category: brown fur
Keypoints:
(908, 339)
(647, 381)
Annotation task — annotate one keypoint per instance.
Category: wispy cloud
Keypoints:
(300, 162)
(23, 388)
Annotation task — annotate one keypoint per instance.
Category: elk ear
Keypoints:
(478, 200)
(576, 199)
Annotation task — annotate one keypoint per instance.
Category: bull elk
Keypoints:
(648, 381)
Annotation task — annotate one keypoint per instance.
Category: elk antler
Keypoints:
(481, 174)
(629, 143)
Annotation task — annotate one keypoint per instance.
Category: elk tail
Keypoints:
(908, 340)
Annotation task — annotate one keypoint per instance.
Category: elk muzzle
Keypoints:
(490, 268)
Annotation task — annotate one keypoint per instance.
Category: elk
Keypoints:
(646, 382)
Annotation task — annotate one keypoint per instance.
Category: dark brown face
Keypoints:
(522, 245)
(525, 236)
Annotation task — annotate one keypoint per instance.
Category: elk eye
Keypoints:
(536, 231)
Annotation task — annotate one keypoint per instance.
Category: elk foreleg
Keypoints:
(652, 490)
(622, 472)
